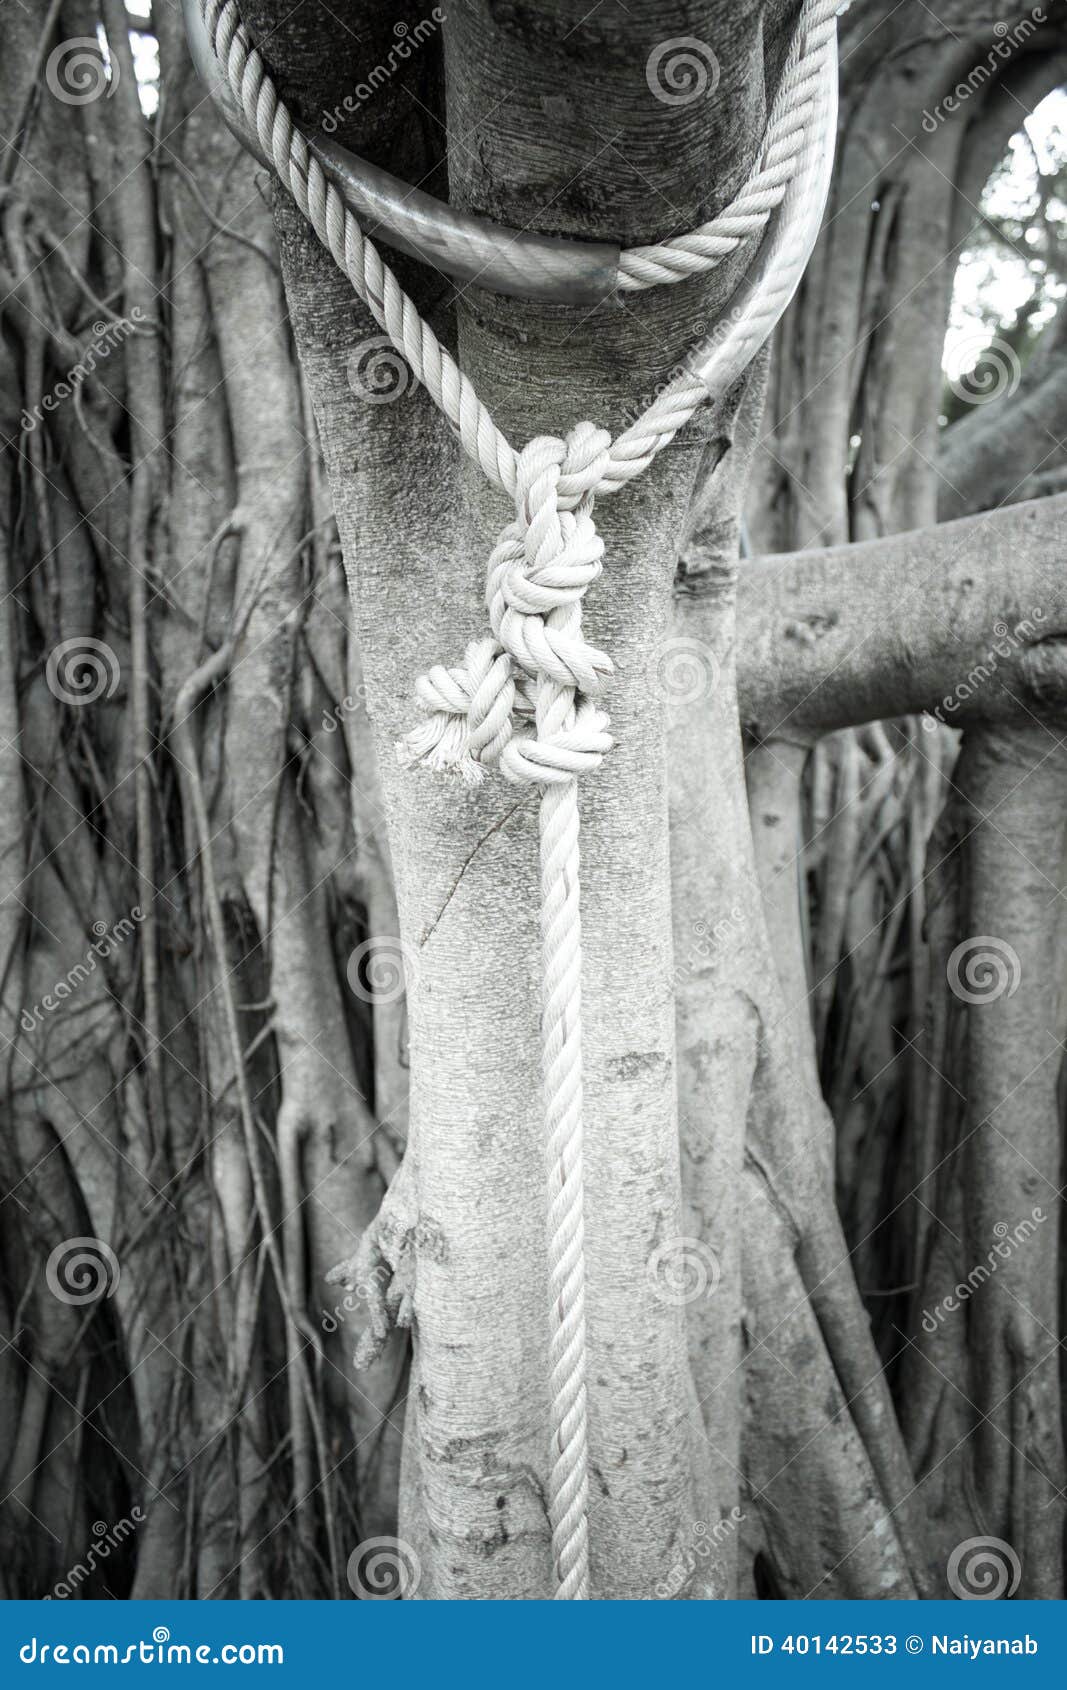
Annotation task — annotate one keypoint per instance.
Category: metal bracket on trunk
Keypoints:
(466, 248)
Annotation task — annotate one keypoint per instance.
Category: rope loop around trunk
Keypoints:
(526, 699)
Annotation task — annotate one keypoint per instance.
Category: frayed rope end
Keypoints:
(441, 744)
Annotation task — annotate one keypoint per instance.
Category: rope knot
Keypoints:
(537, 661)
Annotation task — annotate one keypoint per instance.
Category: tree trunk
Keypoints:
(473, 1503)
(821, 963)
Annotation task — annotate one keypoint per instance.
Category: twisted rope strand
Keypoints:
(373, 280)
(538, 575)
(525, 699)
(699, 251)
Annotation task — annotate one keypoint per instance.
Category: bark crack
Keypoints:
(453, 889)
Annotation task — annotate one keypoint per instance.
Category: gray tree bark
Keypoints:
(416, 525)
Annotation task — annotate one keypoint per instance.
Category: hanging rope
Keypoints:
(702, 249)
(522, 262)
(526, 699)
(539, 572)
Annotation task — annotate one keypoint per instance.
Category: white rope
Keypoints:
(539, 572)
(702, 249)
(526, 698)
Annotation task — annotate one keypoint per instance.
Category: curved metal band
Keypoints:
(466, 248)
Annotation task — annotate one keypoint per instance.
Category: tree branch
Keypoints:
(966, 621)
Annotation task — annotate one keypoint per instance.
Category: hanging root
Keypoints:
(381, 1273)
